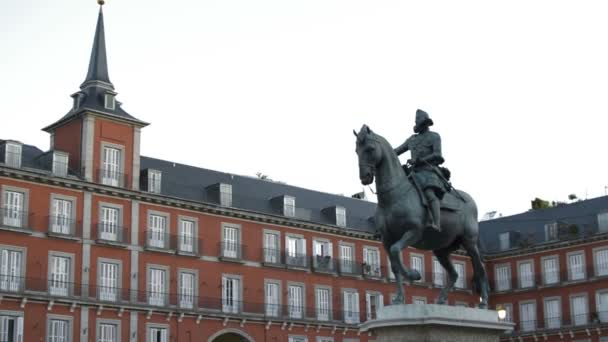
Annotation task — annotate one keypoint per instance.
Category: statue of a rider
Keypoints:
(425, 147)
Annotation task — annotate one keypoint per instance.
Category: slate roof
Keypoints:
(96, 85)
(531, 225)
(255, 194)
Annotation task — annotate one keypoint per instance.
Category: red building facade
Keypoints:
(98, 243)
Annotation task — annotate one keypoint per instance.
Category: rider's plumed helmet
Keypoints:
(422, 120)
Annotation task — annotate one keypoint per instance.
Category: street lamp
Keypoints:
(502, 313)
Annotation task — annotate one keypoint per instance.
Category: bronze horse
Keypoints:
(400, 219)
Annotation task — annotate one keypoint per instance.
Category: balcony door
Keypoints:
(62, 213)
(111, 166)
(13, 208)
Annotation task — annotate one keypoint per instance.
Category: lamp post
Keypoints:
(502, 313)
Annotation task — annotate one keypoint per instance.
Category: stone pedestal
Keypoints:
(436, 323)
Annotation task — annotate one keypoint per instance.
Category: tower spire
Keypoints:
(98, 64)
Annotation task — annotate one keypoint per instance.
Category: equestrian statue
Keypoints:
(418, 207)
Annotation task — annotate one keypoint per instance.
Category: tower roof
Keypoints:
(97, 89)
(98, 64)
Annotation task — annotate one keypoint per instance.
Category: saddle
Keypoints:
(451, 201)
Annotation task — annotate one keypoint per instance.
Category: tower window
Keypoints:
(110, 101)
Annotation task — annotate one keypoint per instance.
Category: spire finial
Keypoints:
(101, 2)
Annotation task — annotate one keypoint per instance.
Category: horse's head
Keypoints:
(369, 153)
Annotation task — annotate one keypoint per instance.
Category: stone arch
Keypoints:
(230, 331)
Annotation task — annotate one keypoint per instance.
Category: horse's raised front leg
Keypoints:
(408, 238)
(443, 256)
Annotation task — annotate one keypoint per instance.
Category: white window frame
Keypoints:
(351, 310)
(112, 174)
(13, 158)
(504, 241)
(347, 264)
(439, 274)
(297, 338)
(413, 258)
(579, 319)
(548, 280)
(187, 244)
(106, 292)
(154, 181)
(461, 278)
(551, 232)
(158, 234)
(12, 272)
(60, 167)
(151, 327)
(109, 101)
(289, 206)
(157, 295)
(15, 216)
(323, 307)
(600, 268)
(530, 324)
(583, 266)
(225, 194)
(526, 281)
(296, 305)
(58, 286)
(418, 300)
(231, 245)
(374, 268)
(552, 322)
(369, 296)
(272, 306)
(18, 324)
(507, 282)
(340, 216)
(230, 302)
(295, 248)
(109, 230)
(187, 300)
(602, 312)
(69, 321)
(100, 333)
(602, 222)
(60, 223)
(272, 253)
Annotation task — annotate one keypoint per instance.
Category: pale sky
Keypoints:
(517, 89)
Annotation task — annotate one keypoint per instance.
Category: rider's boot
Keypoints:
(435, 212)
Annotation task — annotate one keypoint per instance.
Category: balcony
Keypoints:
(188, 245)
(272, 257)
(350, 267)
(230, 251)
(372, 271)
(159, 241)
(112, 177)
(557, 323)
(63, 291)
(323, 264)
(296, 260)
(64, 227)
(15, 220)
(112, 234)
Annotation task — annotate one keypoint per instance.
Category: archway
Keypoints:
(230, 335)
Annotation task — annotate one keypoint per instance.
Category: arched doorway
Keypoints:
(230, 335)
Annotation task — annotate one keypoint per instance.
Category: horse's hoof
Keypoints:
(398, 300)
(483, 306)
(442, 302)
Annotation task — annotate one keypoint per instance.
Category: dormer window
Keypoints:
(289, 206)
(504, 241)
(340, 216)
(12, 155)
(551, 231)
(77, 100)
(226, 195)
(602, 222)
(109, 101)
(60, 163)
(154, 181)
